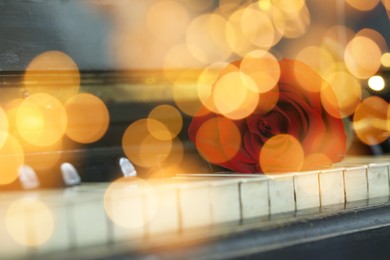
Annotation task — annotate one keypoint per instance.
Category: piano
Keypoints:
(94, 203)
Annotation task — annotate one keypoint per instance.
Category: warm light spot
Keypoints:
(186, 97)
(170, 117)
(316, 161)
(40, 158)
(88, 118)
(206, 81)
(376, 83)
(176, 154)
(159, 130)
(143, 148)
(130, 203)
(319, 59)
(263, 68)
(166, 171)
(167, 20)
(300, 75)
(292, 24)
(227, 7)
(363, 5)
(218, 140)
(3, 126)
(370, 120)
(205, 38)
(362, 57)
(29, 222)
(335, 40)
(11, 158)
(235, 37)
(375, 36)
(258, 28)
(264, 5)
(176, 58)
(54, 73)
(41, 120)
(43, 158)
(281, 153)
(385, 59)
(267, 101)
(233, 95)
(347, 92)
(197, 5)
(289, 6)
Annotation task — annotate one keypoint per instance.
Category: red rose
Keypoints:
(299, 113)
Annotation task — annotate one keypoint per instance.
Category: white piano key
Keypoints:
(378, 180)
(165, 219)
(195, 205)
(355, 179)
(88, 221)
(9, 248)
(254, 198)
(281, 194)
(332, 186)
(60, 239)
(125, 207)
(307, 191)
(225, 201)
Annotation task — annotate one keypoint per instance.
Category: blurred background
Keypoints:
(137, 61)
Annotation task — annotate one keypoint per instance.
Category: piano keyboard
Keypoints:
(135, 212)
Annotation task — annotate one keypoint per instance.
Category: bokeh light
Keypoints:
(300, 75)
(43, 158)
(316, 161)
(218, 140)
(264, 5)
(206, 81)
(88, 118)
(143, 147)
(292, 24)
(205, 38)
(38, 157)
(227, 7)
(11, 158)
(267, 101)
(362, 57)
(263, 68)
(376, 83)
(4, 126)
(375, 36)
(54, 73)
(281, 153)
(318, 58)
(347, 92)
(233, 95)
(41, 120)
(292, 6)
(258, 28)
(363, 5)
(385, 59)
(29, 222)
(167, 20)
(370, 120)
(234, 35)
(335, 40)
(130, 204)
(170, 117)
